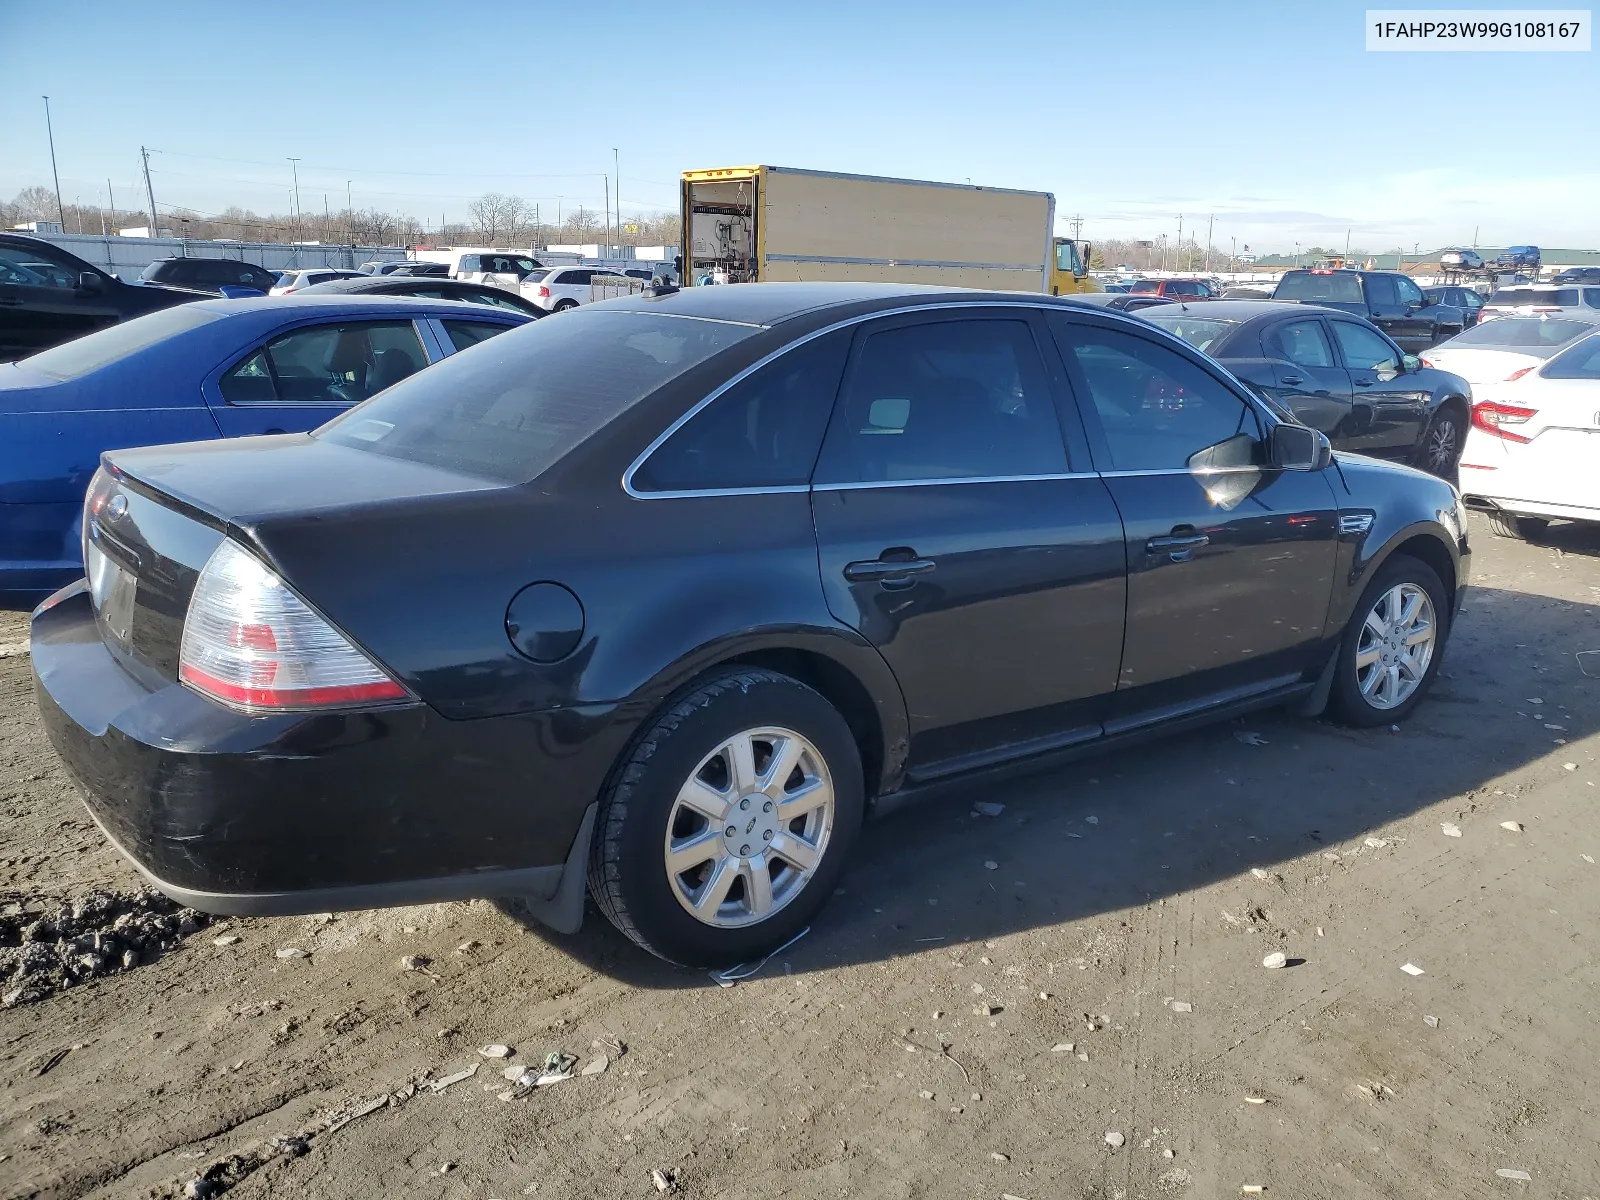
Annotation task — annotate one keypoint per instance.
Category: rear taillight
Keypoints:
(544, 291)
(1521, 373)
(252, 644)
(1493, 418)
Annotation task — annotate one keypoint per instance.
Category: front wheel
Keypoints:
(728, 824)
(1394, 643)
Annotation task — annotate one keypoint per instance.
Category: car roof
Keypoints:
(357, 303)
(1248, 310)
(361, 284)
(771, 303)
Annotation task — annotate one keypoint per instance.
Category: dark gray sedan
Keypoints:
(1336, 373)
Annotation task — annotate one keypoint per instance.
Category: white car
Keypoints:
(1492, 351)
(494, 268)
(1533, 299)
(1533, 452)
(556, 289)
(291, 282)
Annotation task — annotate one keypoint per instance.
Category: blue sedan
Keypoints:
(211, 369)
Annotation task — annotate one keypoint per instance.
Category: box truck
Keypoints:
(743, 224)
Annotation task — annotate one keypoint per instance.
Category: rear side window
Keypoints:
(1381, 289)
(963, 399)
(326, 364)
(762, 432)
(469, 333)
(1159, 411)
(1342, 288)
(74, 359)
(1554, 297)
(517, 405)
(469, 262)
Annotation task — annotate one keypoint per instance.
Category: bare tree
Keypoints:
(581, 224)
(497, 217)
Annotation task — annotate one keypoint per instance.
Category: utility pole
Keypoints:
(1233, 256)
(149, 193)
(111, 201)
(616, 164)
(1209, 225)
(61, 209)
(349, 216)
(607, 225)
(294, 165)
(1347, 243)
(1178, 249)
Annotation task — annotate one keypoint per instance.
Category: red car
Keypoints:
(1176, 289)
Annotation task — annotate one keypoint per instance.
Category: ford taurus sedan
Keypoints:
(655, 603)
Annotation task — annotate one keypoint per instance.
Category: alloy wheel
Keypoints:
(1395, 647)
(749, 827)
(1443, 446)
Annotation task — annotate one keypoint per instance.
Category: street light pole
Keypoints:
(294, 165)
(61, 209)
(616, 166)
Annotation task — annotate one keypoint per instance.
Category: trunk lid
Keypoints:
(154, 515)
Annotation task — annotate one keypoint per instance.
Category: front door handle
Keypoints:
(1291, 380)
(1365, 382)
(880, 570)
(1178, 546)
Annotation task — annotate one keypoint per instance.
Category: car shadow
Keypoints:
(1570, 537)
(1132, 827)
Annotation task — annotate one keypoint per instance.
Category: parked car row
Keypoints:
(669, 593)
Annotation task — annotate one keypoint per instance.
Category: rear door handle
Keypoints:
(877, 570)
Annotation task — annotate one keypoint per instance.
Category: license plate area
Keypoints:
(113, 590)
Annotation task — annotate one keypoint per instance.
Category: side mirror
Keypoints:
(89, 282)
(1410, 364)
(1087, 253)
(1299, 448)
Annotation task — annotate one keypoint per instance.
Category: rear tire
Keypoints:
(706, 888)
(1442, 442)
(564, 305)
(1509, 525)
(1391, 651)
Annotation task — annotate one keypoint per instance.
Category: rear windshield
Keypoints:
(1522, 332)
(1146, 285)
(510, 407)
(1199, 332)
(1338, 288)
(153, 269)
(536, 275)
(1557, 297)
(74, 359)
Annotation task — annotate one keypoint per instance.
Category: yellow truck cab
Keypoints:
(1069, 269)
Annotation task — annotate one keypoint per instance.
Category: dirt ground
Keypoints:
(914, 1044)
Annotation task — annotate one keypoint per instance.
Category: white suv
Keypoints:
(291, 282)
(556, 289)
(496, 268)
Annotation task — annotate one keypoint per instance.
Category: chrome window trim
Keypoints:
(1004, 301)
(960, 479)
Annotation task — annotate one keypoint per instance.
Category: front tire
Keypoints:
(1393, 646)
(1509, 525)
(727, 825)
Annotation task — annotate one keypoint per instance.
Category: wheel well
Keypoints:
(1459, 403)
(840, 688)
(1433, 552)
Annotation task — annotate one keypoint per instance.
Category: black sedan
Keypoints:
(425, 288)
(1336, 373)
(655, 603)
(48, 296)
(1122, 301)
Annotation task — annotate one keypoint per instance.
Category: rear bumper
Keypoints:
(304, 812)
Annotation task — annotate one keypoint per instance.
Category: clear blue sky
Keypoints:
(1271, 116)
